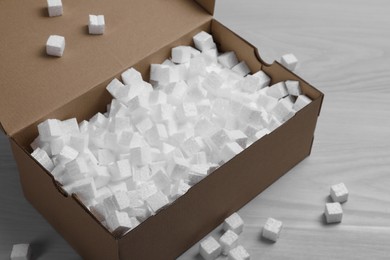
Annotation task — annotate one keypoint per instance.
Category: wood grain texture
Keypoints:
(344, 50)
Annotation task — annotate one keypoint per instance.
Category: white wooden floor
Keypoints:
(344, 50)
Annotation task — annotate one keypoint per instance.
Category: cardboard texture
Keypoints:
(138, 33)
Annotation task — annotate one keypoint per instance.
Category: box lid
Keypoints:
(33, 84)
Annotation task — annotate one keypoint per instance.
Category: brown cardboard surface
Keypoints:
(34, 84)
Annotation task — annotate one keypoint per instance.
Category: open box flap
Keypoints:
(33, 84)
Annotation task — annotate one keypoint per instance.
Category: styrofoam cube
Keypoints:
(263, 78)
(293, 87)
(179, 188)
(289, 61)
(54, 7)
(277, 90)
(209, 248)
(228, 59)
(70, 126)
(241, 69)
(41, 156)
(229, 150)
(157, 97)
(55, 45)
(197, 172)
(186, 111)
(249, 84)
(67, 154)
(234, 223)
(102, 176)
(203, 41)
(197, 67)
(49, 129)
(84, 188)
(272, 229)
(177, 168)
(333, 212)
(301, 102)
(118, 220)
(20, 252)
(76, 169)
(96, 24)
(131, 77)
(228, 241)
(181, 54)
(120, 170)
(238, 253)
(266, 102)
(140, 155)
(261, 133)
(118, 201)
(144, 125)
(283, 111)
(194, 52)
(339, 193)
(163, 74)
(99, 211)
(157, 201)
(114, 86)
(58, 170)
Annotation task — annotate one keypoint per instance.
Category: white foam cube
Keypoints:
(84, 188)
(114, 86)
(70, 126)
(120, 169)
(272, 229)
(203, 41)
(55, 45)
(179, 189)
(102, 176)
(277, 90)
(261, 133)
(209, 248)
(181, 54)
(49, 129)
(41, 156)
(118, 220)
(234, 223)
(263, 78)
(228, 59)
(238, 253)
(144, 125)
(230, 150)
(140, 156)
(186, 111)
(228, 241)
(76, 169)
(96, 24)
(118, 201)
(20, 252)
(162, 74)
(131, 77)
(54, 7)
(333, 212)
(141, 174)
(194, 52)
(99, 211)
(242, 69)
(339, 193)
(293, 87)
(289, 61)
(249, 84)
(178, 168)
(283, 111)
(266, 102)
(197, 67)
(67, 154)
(162, 181)
(301, 102)
(157, 201)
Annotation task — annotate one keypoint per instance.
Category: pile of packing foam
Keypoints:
(156, 140)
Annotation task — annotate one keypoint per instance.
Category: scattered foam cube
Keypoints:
(228, 59)
(20, 252)
(234, 223)
(277, 90)
(238, 253)
(41, 156)
(54, 7)
(272, 229)
(289, 61)
(55, 45)
(228, 241)
(96, 24)
(203, 41)
(157, 201)
(209, 248)
(333, 212)
(301, 102)
(293, 88)
(181, 54)
(242, 69)
(339, 193)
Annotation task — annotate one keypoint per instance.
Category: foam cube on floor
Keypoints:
(54, 7)
(55, 45)
(228, 241)
(234, 223)
(272, 229)
(20, 252)
(241, 69)
(228, 59)
(96, 24)
(203, 41)
(339, 193)
(181, 54)
(289, 61)
(209, 248)
(293, 88)
(238, 253)
(301, 102)
(333, 212)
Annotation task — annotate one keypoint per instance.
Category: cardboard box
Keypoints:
(35, 87)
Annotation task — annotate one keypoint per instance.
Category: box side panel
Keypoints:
(65, 214)
(208, 203)
(208, 5)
